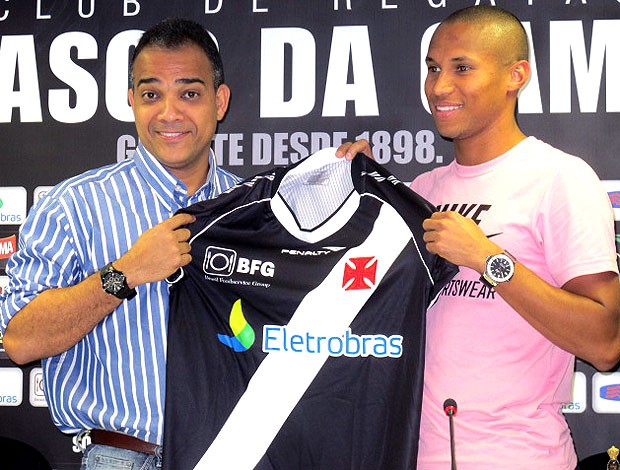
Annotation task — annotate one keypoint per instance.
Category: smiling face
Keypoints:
(176, 108)
(471, 85)
(465, 82)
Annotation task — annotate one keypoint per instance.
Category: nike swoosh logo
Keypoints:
(494, 234)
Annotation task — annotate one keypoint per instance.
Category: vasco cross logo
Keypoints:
(360, 273)
(243, 333)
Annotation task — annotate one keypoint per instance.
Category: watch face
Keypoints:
(501, 268)
(113, 282)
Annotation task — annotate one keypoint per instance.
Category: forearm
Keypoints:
(56, 320)
(582, 317)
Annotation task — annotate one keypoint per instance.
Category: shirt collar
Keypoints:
(166, 184)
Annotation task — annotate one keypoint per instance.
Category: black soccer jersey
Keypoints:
(296, 334)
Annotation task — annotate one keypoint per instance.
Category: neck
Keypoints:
(193, 178)
(194, 183)
(481, 149)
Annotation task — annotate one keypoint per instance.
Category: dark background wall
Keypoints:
(304, 75)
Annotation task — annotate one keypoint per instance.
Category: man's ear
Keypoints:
(130, 96)
(519, 75)
(222, 98)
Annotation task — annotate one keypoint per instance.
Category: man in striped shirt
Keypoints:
(87, 291)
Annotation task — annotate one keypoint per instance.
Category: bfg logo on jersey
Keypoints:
(224, 262)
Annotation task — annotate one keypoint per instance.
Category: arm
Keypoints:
(57, 319)
(582, 317)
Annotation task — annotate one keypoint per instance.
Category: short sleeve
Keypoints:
(577, 225)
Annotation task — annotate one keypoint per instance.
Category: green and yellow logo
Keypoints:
(243, 333)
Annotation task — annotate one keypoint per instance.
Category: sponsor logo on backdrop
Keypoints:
(37, 394)
(606, 392)
(39, 192)
(579, 397)
(613, 190)
(4, 281)
(11, 386)
(8, 246)
(12, 205)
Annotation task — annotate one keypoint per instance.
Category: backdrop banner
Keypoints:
(304, 75)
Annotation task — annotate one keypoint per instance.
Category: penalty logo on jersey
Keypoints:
(243, 333)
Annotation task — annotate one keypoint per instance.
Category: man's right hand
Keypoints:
(158, 253)
(349, 150)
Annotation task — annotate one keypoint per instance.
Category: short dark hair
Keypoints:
(173, 33)
(502, 19)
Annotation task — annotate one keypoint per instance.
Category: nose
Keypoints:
(439, 84)
(170, 111)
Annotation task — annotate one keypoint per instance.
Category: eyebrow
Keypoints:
(454, 59)
(181, 81)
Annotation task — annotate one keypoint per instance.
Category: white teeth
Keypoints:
(447, 108)
(171, 134)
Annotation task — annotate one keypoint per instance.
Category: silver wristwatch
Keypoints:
(498, 268)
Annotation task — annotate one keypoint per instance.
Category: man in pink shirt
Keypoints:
(538, 281)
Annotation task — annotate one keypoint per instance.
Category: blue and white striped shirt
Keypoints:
(114, 378)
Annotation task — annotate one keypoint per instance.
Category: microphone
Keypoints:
(449, 408)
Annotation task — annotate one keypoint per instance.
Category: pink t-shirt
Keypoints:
(551, 212)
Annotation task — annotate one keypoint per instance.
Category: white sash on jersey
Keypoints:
(283, 377)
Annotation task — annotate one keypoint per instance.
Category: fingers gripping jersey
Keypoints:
(296, 334)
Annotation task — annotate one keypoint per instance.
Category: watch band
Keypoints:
(487, 280)
(509, 254)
